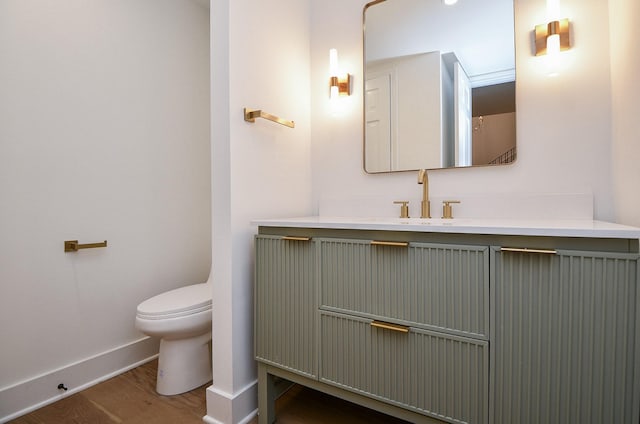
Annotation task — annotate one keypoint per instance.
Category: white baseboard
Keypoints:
(225, 408)
(29, 395)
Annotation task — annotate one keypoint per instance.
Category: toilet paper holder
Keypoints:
(74, 246)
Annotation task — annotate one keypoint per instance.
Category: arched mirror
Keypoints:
(439, 84)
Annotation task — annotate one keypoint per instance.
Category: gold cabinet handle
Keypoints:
(389, 243)
(74, 246)
(296, 238)
(527, 250)
(389, 326)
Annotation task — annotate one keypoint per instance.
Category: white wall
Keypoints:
(563, 126)
(625, 67)
(260, 60)
(104, 134)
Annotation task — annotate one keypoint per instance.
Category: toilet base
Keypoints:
(183, 364)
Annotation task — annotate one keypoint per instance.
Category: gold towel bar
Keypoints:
(527, 250)
(250, 115)
(74, 246)
(389, 326)
(389, 243)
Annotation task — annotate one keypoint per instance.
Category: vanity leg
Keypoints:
(266, 396)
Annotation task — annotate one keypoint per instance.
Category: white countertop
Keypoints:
(521, 227)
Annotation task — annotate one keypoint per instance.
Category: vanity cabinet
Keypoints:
(564, 342)
(458, 328)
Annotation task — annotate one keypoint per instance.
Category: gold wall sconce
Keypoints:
(552, 37)
(339, 83)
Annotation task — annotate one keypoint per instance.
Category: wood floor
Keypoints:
(127, 398)
(301, 405)
(131, 398)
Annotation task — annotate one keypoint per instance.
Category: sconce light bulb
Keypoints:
(553, 44)
(334, 94)
(449, 2)
(333, 62)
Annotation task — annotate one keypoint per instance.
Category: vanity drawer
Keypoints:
(441, 376)
(434, 286)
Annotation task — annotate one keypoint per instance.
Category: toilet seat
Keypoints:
(176, 303)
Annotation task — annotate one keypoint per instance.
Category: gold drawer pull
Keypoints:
(295, 238)
(527, 250)
(74, 246)
(389, 326)
(389, 243)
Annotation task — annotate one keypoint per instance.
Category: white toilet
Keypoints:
(182, 320)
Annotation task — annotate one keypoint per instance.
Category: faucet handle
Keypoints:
(404, 208)
(447, 210)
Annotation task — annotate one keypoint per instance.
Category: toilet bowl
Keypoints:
(182, 320)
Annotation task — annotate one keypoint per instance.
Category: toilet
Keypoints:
(182, 320)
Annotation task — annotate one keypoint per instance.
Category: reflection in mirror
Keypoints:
(439, 84)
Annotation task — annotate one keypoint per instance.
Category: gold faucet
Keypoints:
(423, 179)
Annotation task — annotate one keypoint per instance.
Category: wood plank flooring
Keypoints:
(127, 398)
(130, 398)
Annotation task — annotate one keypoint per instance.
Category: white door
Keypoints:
(462, 113)
(378, 124)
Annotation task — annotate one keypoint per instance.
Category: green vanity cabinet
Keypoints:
(564, 345)
(451, 327)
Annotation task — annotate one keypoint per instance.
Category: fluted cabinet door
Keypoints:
(564, 340)
(285, 306)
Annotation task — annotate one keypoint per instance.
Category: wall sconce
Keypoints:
(339, 84)
(553, 37)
